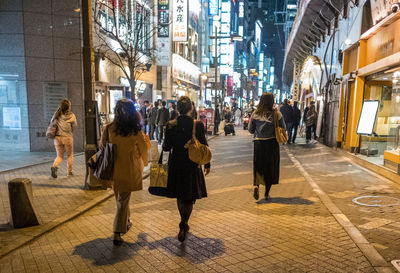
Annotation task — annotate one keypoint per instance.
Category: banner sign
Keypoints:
(213, 7)
(184, 70)
(163, 56)
(163, 18)
(206, 116)
(367, 119)
(180, 20)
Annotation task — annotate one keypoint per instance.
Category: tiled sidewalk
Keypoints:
(230, 232)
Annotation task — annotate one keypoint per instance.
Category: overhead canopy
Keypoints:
(314, 21)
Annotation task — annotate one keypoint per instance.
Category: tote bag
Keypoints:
(158, 178)
(198, 153)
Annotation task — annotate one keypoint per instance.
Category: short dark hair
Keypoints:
(146, 101)
(184, 105)
(155, 102)
(285, 101)
(164, 103)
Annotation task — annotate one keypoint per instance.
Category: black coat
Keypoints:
(287, 113)
(162, 116)
(153, 115)
(217, 116)
(185, 178)
(173, 115)
(296, 116)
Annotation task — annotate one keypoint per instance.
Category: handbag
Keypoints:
(158, 178)
(280, 133)
(102, 162)
(52, 129)
(198, 153)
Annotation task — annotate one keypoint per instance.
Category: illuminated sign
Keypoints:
(184, 70)
(241, 10)
(258, 35)
(366, 123)
(163, 18)
(213, 7)
(180, 20)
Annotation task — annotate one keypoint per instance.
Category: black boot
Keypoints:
(183, 229)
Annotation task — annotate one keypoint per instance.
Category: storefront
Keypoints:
(186, 78)
(377, 78)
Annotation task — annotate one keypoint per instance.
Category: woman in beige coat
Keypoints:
(132, 155)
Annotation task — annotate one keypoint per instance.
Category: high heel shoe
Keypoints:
(117, 240)
(183, 230)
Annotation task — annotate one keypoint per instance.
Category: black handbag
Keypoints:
(102, 163)
(158, 178)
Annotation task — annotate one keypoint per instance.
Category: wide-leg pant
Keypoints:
(123, 212)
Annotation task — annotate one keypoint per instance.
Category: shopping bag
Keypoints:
(158, 178)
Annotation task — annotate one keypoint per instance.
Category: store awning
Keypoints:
(311, 26)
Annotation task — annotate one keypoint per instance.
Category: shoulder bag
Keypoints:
(102, 163)
(52, 129)
(158, 178)
(198, 153)
(280, 133)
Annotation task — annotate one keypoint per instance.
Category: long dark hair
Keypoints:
(127, 119)
(266, 104)
(65, 107)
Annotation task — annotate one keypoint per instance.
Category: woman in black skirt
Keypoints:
(266, 148)
(185, 178)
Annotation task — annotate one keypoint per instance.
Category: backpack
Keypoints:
(198, 153)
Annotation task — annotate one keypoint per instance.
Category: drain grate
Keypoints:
(377, 201)
(396, 264)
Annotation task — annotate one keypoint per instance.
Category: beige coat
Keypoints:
(132, 156)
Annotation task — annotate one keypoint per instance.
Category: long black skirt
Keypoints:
(266, 162)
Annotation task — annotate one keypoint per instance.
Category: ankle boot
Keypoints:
(183, 229)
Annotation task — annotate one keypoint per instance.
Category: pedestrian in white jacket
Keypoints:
(64, 141)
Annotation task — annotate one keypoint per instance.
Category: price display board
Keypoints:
(367, 119)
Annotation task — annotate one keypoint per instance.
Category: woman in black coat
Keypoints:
(185, 178)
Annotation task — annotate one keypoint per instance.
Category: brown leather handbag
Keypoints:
(198, 153)
(280, 133)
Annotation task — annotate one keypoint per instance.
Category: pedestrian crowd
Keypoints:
(125, 145)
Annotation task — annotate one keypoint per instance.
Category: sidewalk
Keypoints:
(295, 231)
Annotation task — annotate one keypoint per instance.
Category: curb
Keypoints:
(43, 229)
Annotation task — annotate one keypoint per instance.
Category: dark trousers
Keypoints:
(216, 126)
(161, 129)
(145, 128)
(295, 127)
(309, 130)
(153, 128)
(185, 209)
(289, 127)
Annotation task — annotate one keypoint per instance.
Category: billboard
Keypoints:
(163, 42)
(180, 20)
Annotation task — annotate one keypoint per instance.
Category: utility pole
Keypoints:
(90, 115)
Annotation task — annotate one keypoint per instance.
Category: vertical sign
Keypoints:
(163, 40)
(180, 20)
(296, 81)
(213, 7)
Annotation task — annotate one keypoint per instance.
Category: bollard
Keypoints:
(23, 211)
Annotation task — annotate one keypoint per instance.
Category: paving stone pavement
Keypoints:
(230, 232)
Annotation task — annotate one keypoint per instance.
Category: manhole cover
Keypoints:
(396, 264)
(377, 201)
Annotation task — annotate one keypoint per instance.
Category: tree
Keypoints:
(124, 35)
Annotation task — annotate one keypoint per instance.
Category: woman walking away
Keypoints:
(311, 123)
(266, 148)
(132, 155)
(185, 178)
(64, 141)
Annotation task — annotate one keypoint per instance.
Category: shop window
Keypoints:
(384, 88)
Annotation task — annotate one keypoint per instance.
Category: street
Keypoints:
(310, 224)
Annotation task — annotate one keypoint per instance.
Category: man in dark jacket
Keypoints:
(144, 111)
(161, 121)
(153, 124)
(173, 114)
(217, 120)
(287, 113)
(296, 120)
